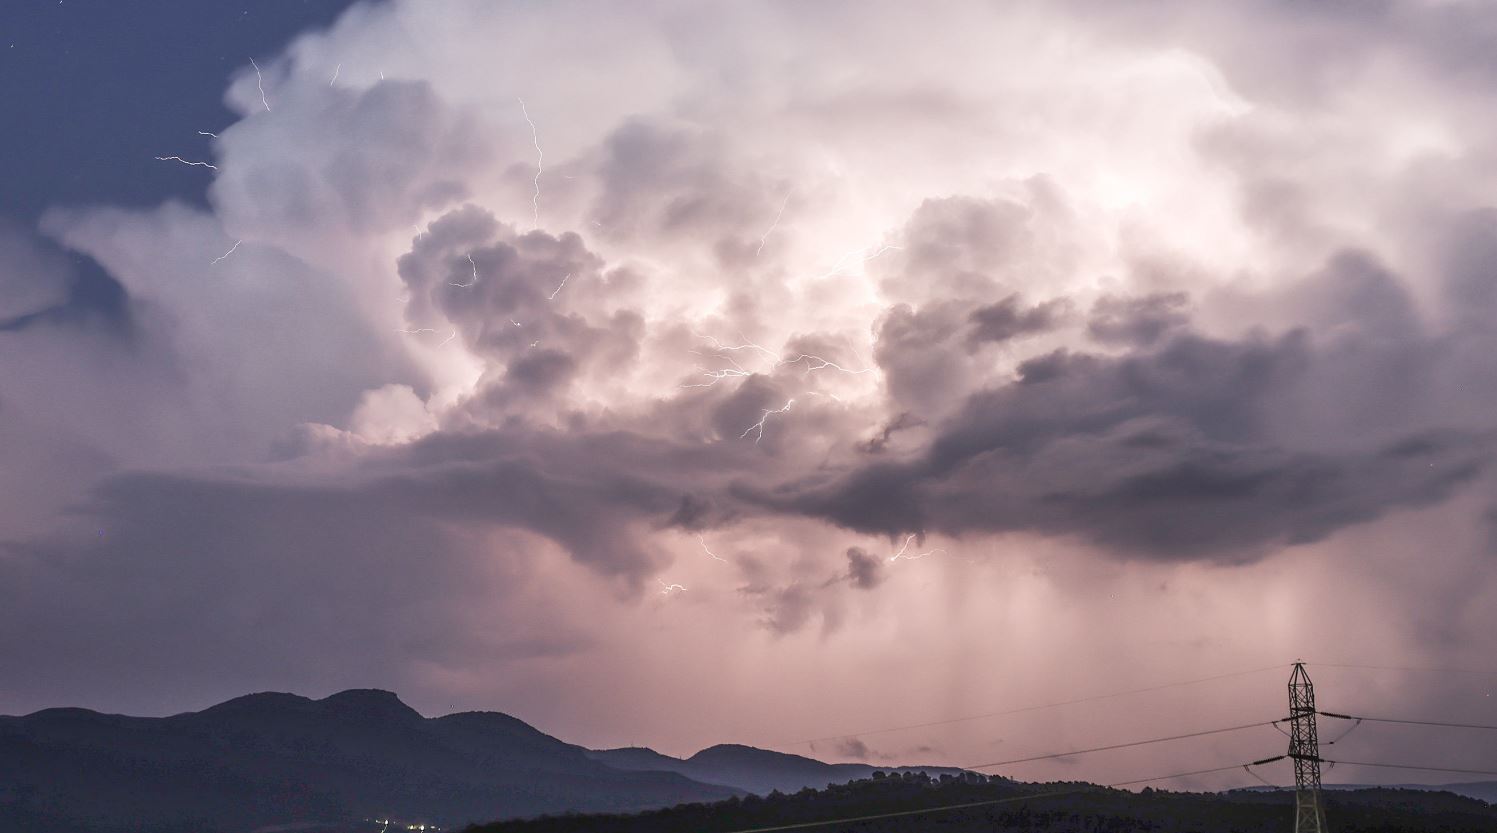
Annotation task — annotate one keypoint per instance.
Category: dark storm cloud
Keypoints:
(1183, 450)
(501, 299)
(864, 571)
(1137, 321)
(921, 355)
(1009, 319)
(879, 442)
(853, 748)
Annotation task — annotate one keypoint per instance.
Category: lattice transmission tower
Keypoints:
(1304, 749)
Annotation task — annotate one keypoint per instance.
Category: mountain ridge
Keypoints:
(271, 758)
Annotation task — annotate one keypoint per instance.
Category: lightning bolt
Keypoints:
(813, 362)
(747, 345)
(901, 554)
(552, 296)
(708, 550)
(469, 284)
(450, 337)
(417, 331)
(718, 375)
(540, 158)
(862, 257)
(772, 226)
(226, 254)
(823, 364)
(759, 426)
(668, 589)
(206, 133)
(185, 162)
(337, 69)
(260, 84)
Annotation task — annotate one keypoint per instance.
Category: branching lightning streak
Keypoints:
(540, 158)
(260, 84)
(718, 375)
(450, 337)
(901, 554)
(814, 362)
(759, 426)
(552, 296)
(823, 364)
(668, 589)
(772, 226)
(206, 133)
(185, 162)
(337, 69)
(710, 553)
(472, 283)
(747, 345)
(417, 331)
(837, 266)
(226, 254)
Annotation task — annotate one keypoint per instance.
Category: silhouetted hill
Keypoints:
(748, 768)
(970, 804)
(275, 759)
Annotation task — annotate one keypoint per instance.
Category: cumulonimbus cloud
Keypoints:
(727, 271)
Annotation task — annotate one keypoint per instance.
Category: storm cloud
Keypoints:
(1131, 318)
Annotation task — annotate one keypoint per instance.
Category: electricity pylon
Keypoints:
(1304, 749)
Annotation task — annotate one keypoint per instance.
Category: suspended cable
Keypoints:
(1248, 768)
(1342, 736)
(941, 809)
(1041, 706)
(1009, 800)
(1420, 768)
(1404, 668)
(1407, 722)
(1175, 775)
(1122, 745)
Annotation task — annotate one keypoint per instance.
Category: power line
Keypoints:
(1176, 775)
(1408, 722)
(1042, 706)
(1404, 668)
(1420, 768)
(941, 809)
(988, 803)
(1123, 745)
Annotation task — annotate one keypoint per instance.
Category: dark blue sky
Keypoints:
(93, 89)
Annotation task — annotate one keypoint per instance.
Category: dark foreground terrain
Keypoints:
(279, 762)
(1035, 808)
